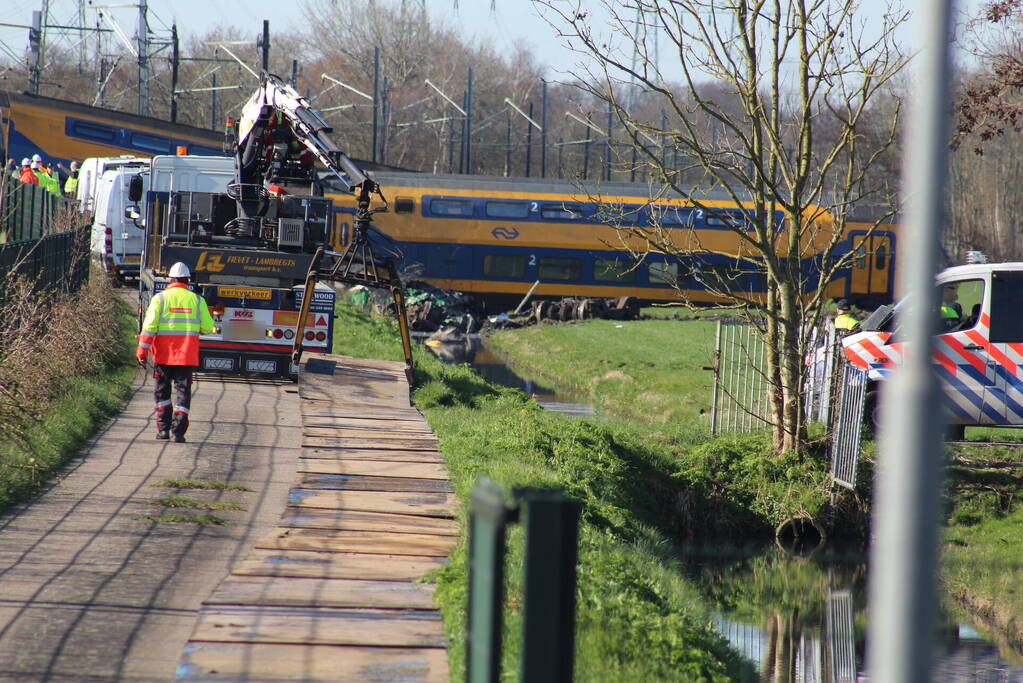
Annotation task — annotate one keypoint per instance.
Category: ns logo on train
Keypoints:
(505, 233)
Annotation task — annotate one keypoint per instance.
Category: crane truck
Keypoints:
(257, 239)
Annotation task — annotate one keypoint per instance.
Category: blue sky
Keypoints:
(509, 22)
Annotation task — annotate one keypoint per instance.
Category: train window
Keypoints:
(504, 265)
(404, 205)
(861, 257)
(556, 268)
(451, 207)
(724, 219)
(561, 212)
(507, 209)
(613, 270)
(151, 143)
(663, 273)
(670, 216)
(91, 130)
(880, 257)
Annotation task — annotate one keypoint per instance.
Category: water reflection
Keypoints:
(801, 620)
(487, 364)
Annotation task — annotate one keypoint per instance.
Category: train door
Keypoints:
(963, 359)
(872, 266)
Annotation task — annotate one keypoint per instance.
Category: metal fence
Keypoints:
(740, 399)
(847, 426)
(25, 210)
(54, 263)
(834, 391)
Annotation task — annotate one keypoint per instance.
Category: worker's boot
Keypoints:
(162, 434)
(179, 438)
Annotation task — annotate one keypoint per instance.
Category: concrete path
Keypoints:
(91, 589)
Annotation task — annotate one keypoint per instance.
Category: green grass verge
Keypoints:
(177, 518)
(645, 369)
(201, 484)
(174, 501)
(638, 617)
(88, 402)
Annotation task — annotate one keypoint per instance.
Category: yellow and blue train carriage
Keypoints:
(496, 236)
(64, 131)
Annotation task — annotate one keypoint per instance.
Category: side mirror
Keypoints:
(132, 213)
(135, 188)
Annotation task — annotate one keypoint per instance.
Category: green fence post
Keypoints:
(488, 517)
(551, 522)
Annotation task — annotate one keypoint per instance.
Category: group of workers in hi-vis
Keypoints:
(35, 171)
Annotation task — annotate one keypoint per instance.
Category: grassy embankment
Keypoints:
(65, 367)
(983, 558)
(644, 487)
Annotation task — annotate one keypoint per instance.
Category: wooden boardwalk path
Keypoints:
(332, 592)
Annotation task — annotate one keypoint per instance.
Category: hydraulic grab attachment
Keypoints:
(273, 118)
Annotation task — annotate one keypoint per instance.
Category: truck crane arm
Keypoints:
(275, 97)
(358, 264)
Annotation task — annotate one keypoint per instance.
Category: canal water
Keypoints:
(793, 618)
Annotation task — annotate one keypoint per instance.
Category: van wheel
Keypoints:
(872, 411)
(955, 432)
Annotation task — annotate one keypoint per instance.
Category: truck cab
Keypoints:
(978, 350)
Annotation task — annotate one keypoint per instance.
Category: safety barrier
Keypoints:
(57, 263)
(25, 210)
(551, 524)
(847, 426)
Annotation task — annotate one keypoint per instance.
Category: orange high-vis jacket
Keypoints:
(170, 331)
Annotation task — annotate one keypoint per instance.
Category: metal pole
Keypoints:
(529, 142)
(607, 150)
(175, 59)
(543, 129)
(143, 49)
(908, 479)
(294, 73)
(717, 382)
(376, 99)
(213, 102)
(35, 52)
(507, 149)
(487, 519)
(385, 115)
(468, 123)
(264, 45)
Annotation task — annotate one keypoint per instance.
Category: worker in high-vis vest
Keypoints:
(170, 332)
(71, 184)
(950, 310)
(845, 321)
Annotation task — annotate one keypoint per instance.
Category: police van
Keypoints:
(978, 353)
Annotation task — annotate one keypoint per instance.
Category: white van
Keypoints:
(191, 173)
(118, 233)
(90, 172)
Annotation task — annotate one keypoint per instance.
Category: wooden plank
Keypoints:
(311, 663)
(324, 625)
(390, 443)
(371, 542)
(424, 435)
(375, 468)
(370, 454)
(347, 409)
(415, 503)
(360, 444)
(324, 565)
(352, 482)
(369, 426)
(281, 591)
(358, 520)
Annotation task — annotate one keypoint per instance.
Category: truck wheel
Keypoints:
(955, 432)
(872, 411)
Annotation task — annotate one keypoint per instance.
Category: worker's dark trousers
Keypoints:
(173, 416)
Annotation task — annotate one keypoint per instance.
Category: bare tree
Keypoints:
(768, 105)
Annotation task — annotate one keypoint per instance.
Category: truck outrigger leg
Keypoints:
(357, 265)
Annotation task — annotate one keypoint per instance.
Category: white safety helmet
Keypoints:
(179, 269)
(26, 161)
(36, 157)
(36, 164)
